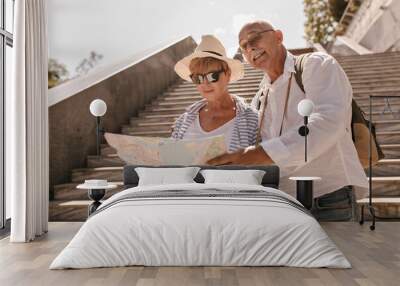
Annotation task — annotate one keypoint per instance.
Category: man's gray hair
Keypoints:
(257, 23)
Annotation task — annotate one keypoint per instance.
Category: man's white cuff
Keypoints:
(275, 149)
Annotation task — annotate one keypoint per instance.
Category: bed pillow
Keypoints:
(163, 176)
(248, 177)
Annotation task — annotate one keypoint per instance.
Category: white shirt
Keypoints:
(195, 131)
(331, 151)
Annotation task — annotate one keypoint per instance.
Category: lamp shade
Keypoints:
(305, 107)
(98, 107)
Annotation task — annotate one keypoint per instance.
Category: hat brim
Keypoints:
(182, 67)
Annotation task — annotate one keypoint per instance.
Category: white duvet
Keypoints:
(200, 231)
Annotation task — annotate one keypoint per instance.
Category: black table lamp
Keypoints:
(305, 108)
(98, 108)
(304, 185)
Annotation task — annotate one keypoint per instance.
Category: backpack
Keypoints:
(359, 125)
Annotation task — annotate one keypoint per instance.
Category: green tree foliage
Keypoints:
(322, 17)
(57, 73)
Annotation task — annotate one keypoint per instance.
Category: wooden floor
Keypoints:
(375, 257)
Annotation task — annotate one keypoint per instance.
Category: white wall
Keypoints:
(376, 25)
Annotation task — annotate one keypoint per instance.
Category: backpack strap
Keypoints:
(299, 62)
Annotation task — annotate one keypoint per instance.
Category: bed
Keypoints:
(198, 224)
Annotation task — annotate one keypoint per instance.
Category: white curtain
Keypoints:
(27, 161)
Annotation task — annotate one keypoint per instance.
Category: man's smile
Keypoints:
(258, 55)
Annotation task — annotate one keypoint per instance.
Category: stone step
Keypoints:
(377, 66)
(371, 61)
(387, 125)
(391, 63)
(127, 129)
(384, 206)
(379, 116)
(362, 87)
(379, 102)
(373, 77)
(135, 120)
(67, 210)
(367, 63)
(165, 110)
(151, 133)
(182, 101)
(171, 116)
(70, 192)
(366, 93)
(385, 186)
(107, 150)
(391, 151)
(111, 160)
(252, 72)
(386, 168)
(369, 57)
(364, 73)
(359, 74)
(381, 108)
(373, 81)
(107, 173)
(388, 137)
(377, 90)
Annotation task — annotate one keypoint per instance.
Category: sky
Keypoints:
(118, 29)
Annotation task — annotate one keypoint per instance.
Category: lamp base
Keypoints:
(304, 193)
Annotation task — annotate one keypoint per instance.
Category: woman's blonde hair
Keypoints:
(202, 65)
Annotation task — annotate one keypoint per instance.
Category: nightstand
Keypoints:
(96, 191)
(304, 190)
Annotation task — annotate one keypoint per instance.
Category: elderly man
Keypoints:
(331, 151)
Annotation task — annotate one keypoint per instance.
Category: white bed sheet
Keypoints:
(202, 232)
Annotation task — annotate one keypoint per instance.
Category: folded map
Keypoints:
(165, 151)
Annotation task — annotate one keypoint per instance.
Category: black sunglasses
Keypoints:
(210, 77)
(252, 40)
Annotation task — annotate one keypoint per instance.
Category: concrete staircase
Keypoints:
(375, 74)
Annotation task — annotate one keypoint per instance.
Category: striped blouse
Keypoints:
(245, 126)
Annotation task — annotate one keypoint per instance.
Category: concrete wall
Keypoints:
(72, 127)
(376, 26)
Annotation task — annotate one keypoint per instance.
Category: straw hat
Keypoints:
(209, 46)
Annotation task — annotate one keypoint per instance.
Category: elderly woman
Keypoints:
(219, 112)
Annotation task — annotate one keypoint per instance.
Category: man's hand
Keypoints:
(250, 156)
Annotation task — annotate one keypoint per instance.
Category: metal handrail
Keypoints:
(370, 206)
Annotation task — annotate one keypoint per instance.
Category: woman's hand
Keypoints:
(250, 156)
